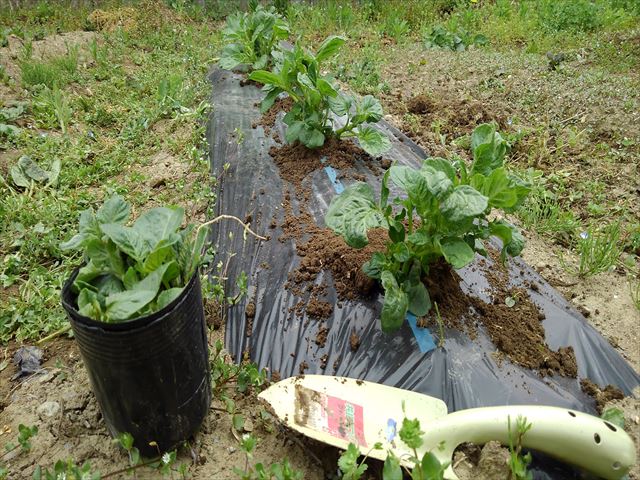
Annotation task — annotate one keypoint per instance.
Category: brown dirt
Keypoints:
(321, 337)
(295, 161)
(319, 309)
(326, 250)
(268, 119)
(72, 427)
(601, 395)
(354, 341)
(420, 104)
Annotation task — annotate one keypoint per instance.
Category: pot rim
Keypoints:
(68, 300)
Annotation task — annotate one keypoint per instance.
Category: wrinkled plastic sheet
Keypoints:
(464, 372)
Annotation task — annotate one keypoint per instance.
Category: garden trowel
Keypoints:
(339, 411)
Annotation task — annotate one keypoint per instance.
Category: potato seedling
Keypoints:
(315, 97)
(443, 214)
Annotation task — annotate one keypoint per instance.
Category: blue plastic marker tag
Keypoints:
(423, 335)
(333, 177)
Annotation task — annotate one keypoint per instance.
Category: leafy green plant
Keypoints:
(25, 434)
(598, 251)
(569, 15)
(425, 467)
(444, 215)
(396, 28)
(27, 173)
(278, 471)
(459, 40)
(518, 463)
(315, 97)
(132, 270)
(251, 38)
(53, 102)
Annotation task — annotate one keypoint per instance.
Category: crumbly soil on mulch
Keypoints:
(268, 119)
(296, 162)
(601, 395)
(516, 331)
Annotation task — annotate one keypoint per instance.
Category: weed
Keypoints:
(34, 72)
(396, 28)
(518, 463)
(569, 15)
(459, 40)
(55, 103)
(278, 471)
(598, 251)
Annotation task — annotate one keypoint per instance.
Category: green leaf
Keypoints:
(498, 188)
(438, 182)
(269, 100)
(266, 78)
(130, 278)
(353, 212)
(293, 131)
(88, 304)
(329, 47)
(396, 303)
(489, 149)
(121, 306)
(348, 463)
(441, 165)
(168, 296)
(105, 256)
(512, 239)
(54, 173)
(326, 89)
(456, 251)
(614, 415)
(373, 268)
(311, 137)
(391, 469)
(340, 104)
(32, 170)
(232, 55)
(114, 210)
(159, 224)
(413, 183)
(411, 434)
(372, 141)
(368, 109)
(463, 203)
(419, 300)
(127, 239)
(196, 252)
(431, 467)
(152, 281)
(74, 243)
(108, 284)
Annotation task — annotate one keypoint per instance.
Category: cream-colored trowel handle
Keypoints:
(574, 437)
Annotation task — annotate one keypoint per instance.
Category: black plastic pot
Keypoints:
(150, 375)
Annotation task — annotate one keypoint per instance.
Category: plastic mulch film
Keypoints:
(465, 372)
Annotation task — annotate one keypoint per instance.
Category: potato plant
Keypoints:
(130, 271)
(442, 214)
(251, 37)
(315, 97)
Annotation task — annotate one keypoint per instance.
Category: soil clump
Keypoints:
(602, 396)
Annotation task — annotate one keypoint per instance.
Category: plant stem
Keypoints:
(55, 334)
(231, 217)
(129, 469)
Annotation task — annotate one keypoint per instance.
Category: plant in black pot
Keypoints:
(135, 307)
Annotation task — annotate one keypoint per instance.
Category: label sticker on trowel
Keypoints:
(332, 415)
(423, 335)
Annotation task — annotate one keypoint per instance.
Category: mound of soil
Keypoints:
(295, 161)
(268, 119)
(601, 396)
